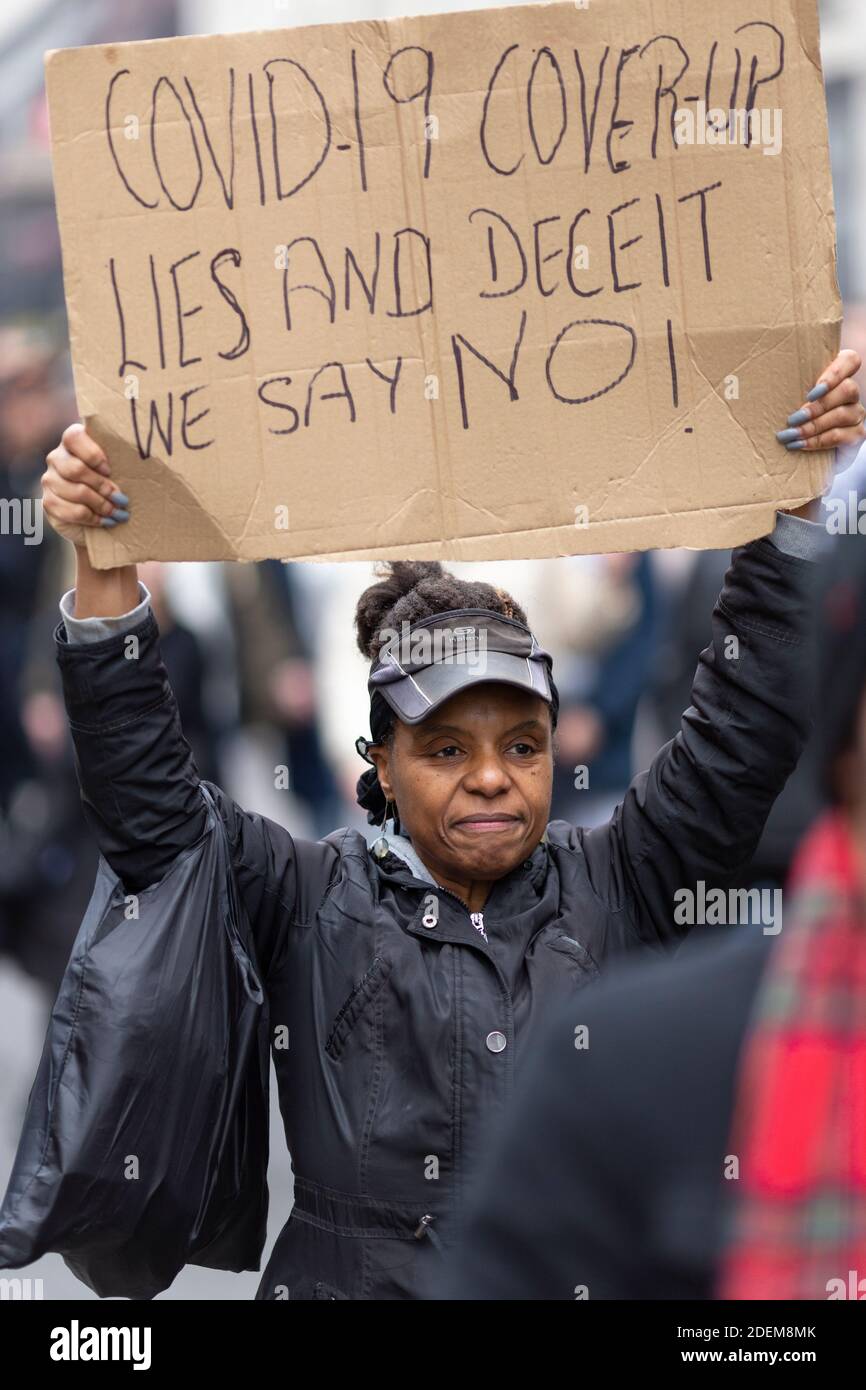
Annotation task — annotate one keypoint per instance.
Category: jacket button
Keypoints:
(496, 1041)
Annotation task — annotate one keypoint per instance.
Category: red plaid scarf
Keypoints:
(799, 1227)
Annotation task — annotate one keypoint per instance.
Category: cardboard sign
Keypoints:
(512, 283)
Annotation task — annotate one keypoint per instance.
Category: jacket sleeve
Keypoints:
(140, 786)
(698, 812)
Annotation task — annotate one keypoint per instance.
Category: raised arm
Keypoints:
(139, 783)
(698, 812)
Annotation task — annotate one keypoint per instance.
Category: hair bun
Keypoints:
(397, 579)
(410, 590)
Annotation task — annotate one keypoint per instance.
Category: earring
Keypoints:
(382, 845)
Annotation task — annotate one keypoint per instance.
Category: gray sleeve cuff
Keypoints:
(97, 629)
(794, 535)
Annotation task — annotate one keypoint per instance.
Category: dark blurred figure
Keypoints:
(186, 662)
(597, 719)
(32, 402)
(696, 1129)
(47, 858)
(277, 681)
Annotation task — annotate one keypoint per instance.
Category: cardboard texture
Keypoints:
(465, 286)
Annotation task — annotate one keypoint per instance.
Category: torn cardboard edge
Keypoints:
(735, 525)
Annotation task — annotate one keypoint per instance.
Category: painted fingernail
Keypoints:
(818, 391)
(107, 521)
(799, 417)
(120, 515)
(119, 499)
(785, 436)
(801, 444)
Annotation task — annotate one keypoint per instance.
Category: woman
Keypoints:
(413, 977)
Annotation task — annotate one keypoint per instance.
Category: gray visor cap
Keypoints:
(418, 670)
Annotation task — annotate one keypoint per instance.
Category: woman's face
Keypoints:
(472, 783)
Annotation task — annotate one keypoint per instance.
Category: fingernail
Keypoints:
(799, 417)
(107, 521)
(818, 391)
(801, 444)
(120, 515)
(785, 436)
(119, 499)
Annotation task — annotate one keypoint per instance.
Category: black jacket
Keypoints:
(395, 1080)
(634, 1203)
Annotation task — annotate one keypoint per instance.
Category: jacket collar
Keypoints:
(402, 847)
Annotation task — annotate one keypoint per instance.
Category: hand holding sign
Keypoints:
(832, 414)
(76, 487)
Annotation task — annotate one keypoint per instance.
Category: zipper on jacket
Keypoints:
(477, 919)
(425, 1228)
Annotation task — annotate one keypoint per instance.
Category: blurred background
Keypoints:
(259, 681)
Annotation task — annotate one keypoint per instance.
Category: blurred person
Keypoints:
(414, 975)
(709, 1139)
(277, 680)
(184, 658)
(34, 399)
(594, 761)
(47, 856)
